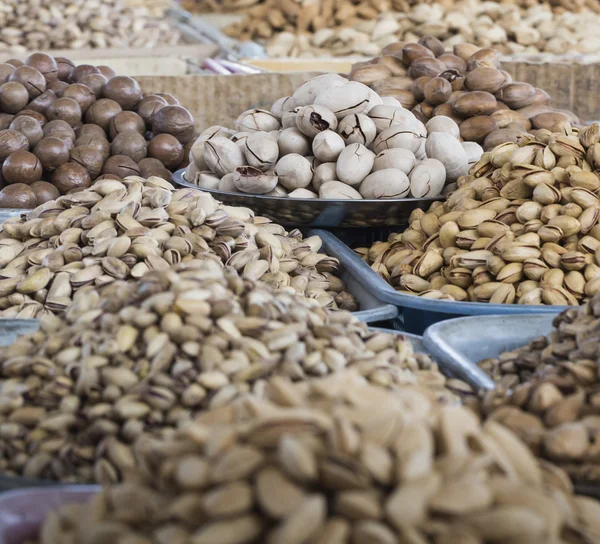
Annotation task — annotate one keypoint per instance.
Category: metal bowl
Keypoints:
(319, 212)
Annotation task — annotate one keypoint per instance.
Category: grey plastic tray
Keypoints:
(354, 273)
(461, 343)
(11, 328)
(6, 213)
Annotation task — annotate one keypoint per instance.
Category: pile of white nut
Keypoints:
(332, 139)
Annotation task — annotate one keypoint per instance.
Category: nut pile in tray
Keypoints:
(522, 228)
(117, 230)
(466, 85)
(335, 461)
(548, 393)
(62, 126)
(332, 139)
(145, 357)
(27, 25)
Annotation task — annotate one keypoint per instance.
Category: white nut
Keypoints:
(404, 135)
(441, 123)
(384, 116)
(401, 159)
(473, 151)
(308, 91)
(447, 149)
(257, 119)
(324, 172)
(339, 191)
(327, 146)
(351, 98)
(357, 129)
(302, 193)
(294, 171)
(427, 179)
(311, 120)
(261, 150)
(281, 106)
(354, 164)
(222, 156)
(226, 184)
(248, 179)
(291, 140)
(388, 183)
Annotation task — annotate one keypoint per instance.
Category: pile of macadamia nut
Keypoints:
(63, 126)
(332, 139)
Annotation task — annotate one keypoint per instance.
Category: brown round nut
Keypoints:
(29, 127)
(549, 119)
(39, 117)
(65, 67)
(455, 78)
(17, 195)
(426, 66)
(5, 120)
(517, 95)
(90, 129)
(447, 111)
(82, 94)
(15, 62)
(82, 70)
(437, 91)
(124, 90)
(433, 44)
(57, 87)
(414, 51)
(22, 167)
(59, 128)
(417, 87)
(11, 141)
(121, 166)
(101, 112)
(484, 57)
(13, 97)
(453, 62)
(169, 99)
(45, 65)
(95, 82)
(130, 144)
(484, 78)
(99, 142)
(42, 102)
(153, 167)
(475, 129)
(89, 157)
(31, 79)
(106, 71)
(71, 176)
(500, 136)
(465, 50)
(167, 149)
(52, 153)
(148, 106)
(5, 72)
(475, 103)
(126, 121)
(44, 192)
(66, 109)
(175, 120)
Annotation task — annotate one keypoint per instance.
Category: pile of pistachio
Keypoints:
(335, 461)
(467, 85)
(332, 139)
(117, 230)
(522, 228)
(548, 393)
(147, 356)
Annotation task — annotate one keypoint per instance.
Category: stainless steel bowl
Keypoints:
(318, 212)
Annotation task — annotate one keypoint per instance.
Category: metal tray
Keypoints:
(353, 273)
(463, 342)
(318, 212)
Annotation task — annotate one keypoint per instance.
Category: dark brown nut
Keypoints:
(541, 98)
(437, 91)
(82, 94)
(130, 144)
(475, 129)
(29, 127)
(417, 87)
(371, 74)
(447, 111)
(39, 117)
(95, 82)
(505, 117)
(82, 70)
(487, 57)
(11, 141)
(394, 65)
(22, 167)
(59, 128)
(126, 121)
(65, 66)
(31, 79)
(45, 65)
(5, 71)
(66, 109)
(15, 62)
(102, 111)
(517, 95)
(426, 66)
(17, 195)
(175, 120)
(149, 105)
(99, 142)
(122, 166)
(414, 51)
(433, 44)
(455, 78)
(13, 97)
(475, 103)
(89, 157)
(106, 71)
(167, 149)
(549, 119)
(5, 120)
(453, 62)
(44, 192)
(501, 136)
(124, 90)
(153, 167)
(484, 78)
(42, 102)
(90, 129)
(52, 152)
(465, 50)
(169, 99)
(71, 176)
(423, 112)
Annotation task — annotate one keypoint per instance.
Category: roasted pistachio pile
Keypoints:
(522, 228)
(118, 230)
(336, 461)
(466, 85)
(332, 139)
(548, 392)
(146, 356)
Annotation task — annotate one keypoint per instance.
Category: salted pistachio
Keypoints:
(427, 178)
(387, 183)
